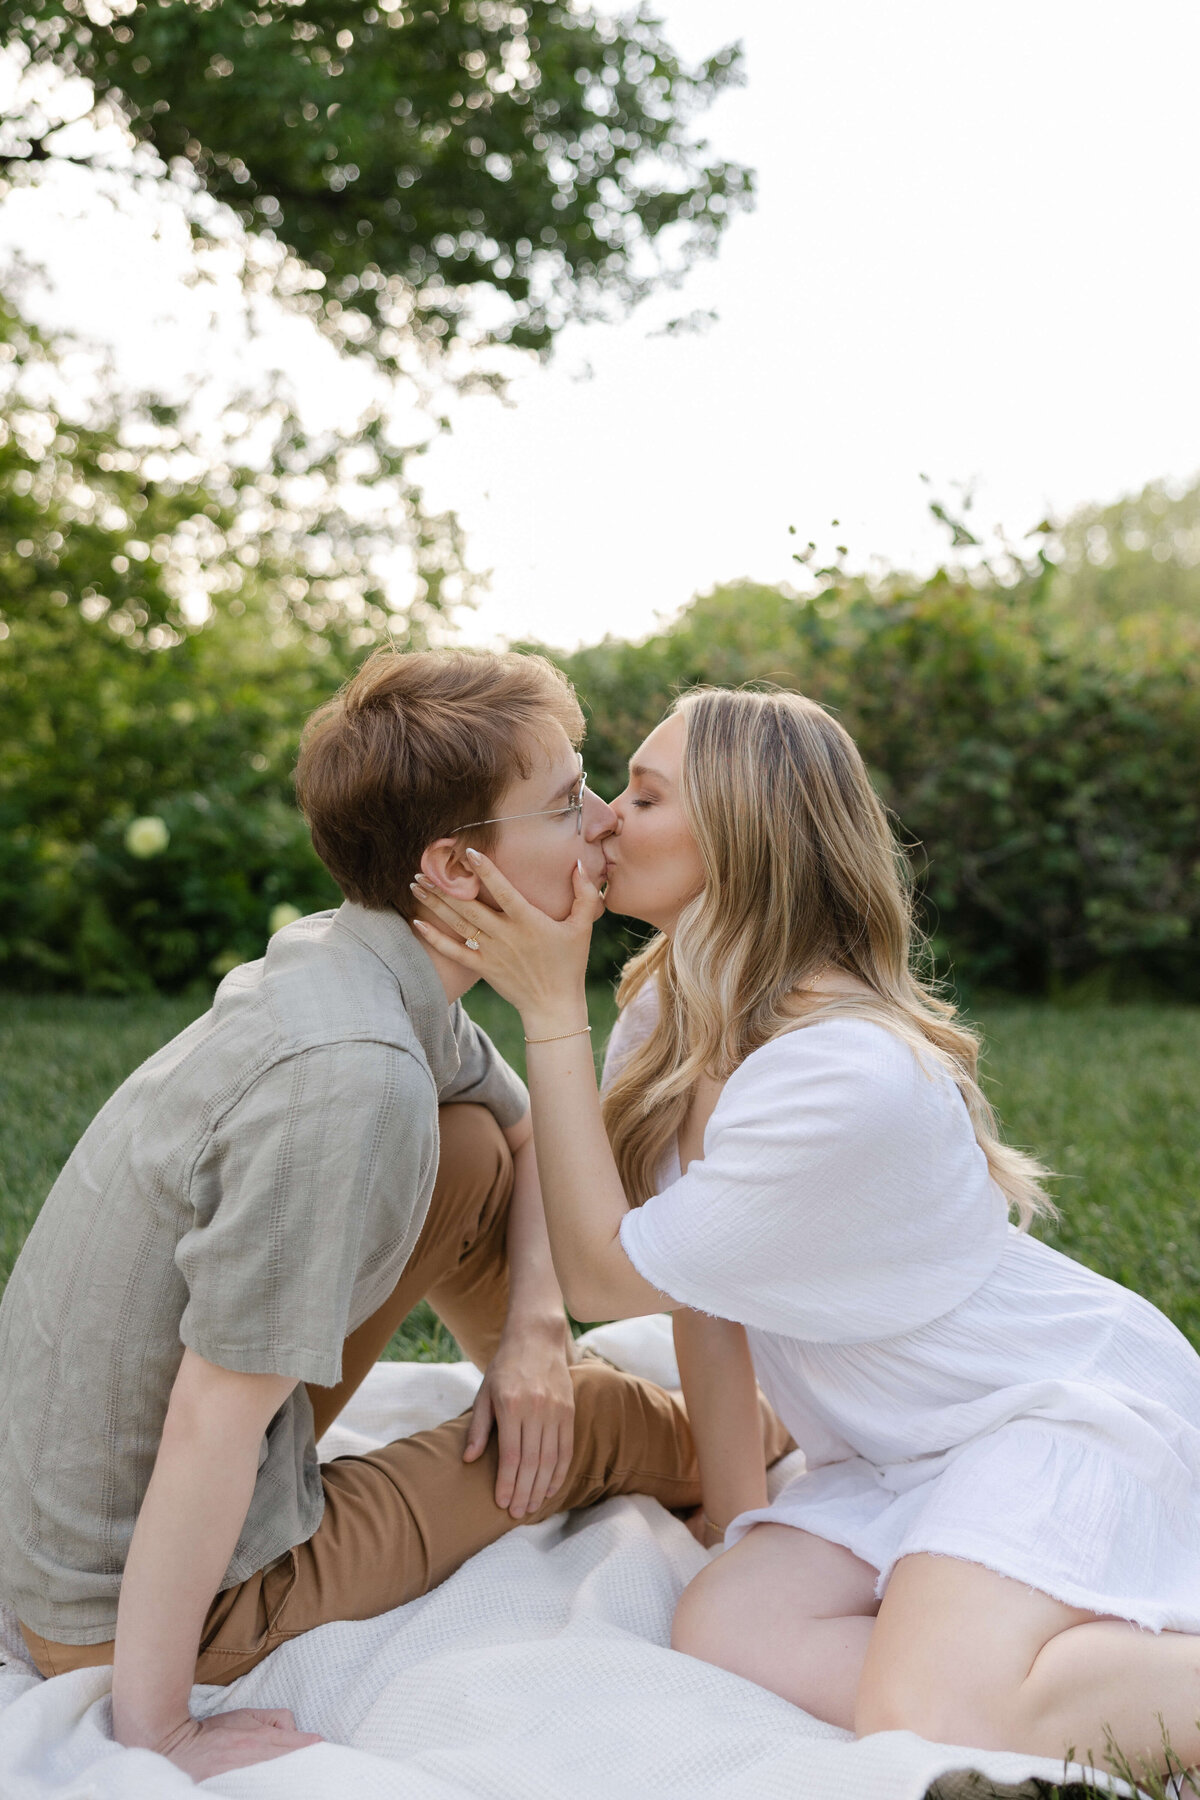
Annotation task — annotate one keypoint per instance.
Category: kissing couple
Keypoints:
(994, 1539)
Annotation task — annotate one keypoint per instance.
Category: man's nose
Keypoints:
(599, 817)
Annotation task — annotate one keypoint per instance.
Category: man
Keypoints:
(248, 1219)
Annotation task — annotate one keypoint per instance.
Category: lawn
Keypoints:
(1108, 1095)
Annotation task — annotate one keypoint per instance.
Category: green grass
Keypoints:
(60, 1059)
(1108, 1095)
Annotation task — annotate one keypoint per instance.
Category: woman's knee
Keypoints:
(953, 1654)
(886, 1702)
(705, 1624)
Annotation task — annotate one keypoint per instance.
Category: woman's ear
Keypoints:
(444, 864)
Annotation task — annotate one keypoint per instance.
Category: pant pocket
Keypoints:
(241, 1625)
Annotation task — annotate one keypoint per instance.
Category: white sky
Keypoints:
(976, 253)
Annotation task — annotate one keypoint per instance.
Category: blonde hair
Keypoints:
(801, 874)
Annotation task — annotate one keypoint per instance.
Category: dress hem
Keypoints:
(1147, 1618)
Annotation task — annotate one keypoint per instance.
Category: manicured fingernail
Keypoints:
(579, 864)
(474, 855)
(420, 925)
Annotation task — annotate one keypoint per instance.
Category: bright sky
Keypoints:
(976, 253)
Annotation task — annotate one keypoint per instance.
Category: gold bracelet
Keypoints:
(707, 1522)
(561, 1036)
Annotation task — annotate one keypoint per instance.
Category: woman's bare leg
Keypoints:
(964, 1656)
(787, 1610)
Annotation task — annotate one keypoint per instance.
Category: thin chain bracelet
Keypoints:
(720, 1530)
(561, 1036)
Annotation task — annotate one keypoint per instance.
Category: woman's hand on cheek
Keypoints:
(535, 962)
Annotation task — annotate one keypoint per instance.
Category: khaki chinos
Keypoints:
(400, 1520)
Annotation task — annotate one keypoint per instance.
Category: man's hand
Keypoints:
(528, 1395)
(233, 1740)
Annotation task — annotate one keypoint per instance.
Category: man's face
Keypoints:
(538, 852)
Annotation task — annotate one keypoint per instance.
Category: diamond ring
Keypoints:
(471, 943)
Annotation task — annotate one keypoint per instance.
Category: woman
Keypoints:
(997, 1541)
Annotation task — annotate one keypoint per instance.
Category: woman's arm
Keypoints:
(723, 1409)
(585, 1201)
(527, 1392)
(534, 1298)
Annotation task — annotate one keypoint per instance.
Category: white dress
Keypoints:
(956, 1386)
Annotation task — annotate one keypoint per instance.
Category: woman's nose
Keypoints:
(616, 809)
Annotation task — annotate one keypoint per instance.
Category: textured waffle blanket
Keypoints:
(541, 1671)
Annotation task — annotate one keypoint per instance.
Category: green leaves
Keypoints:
(1044, 779)
(147, 825)
(405, 153)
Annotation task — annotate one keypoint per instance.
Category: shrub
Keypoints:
(99, 917)
(1049, 794)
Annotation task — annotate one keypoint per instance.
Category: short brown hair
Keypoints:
(416, 744)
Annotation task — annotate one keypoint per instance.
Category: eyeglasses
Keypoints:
(574, 805)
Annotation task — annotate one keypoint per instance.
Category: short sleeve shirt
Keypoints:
(842, 1196)
(253, 1192)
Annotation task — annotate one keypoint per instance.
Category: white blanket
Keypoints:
(541, 1671)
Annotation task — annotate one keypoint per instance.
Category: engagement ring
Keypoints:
(471, 943)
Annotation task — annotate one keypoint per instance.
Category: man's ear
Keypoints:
(444, 863)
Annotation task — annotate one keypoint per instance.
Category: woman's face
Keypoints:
(653, 864)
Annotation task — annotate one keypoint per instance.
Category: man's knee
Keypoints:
(631, 1436)
(604, 1397)
(473, 1149)
(474, 1178)
(624, 1409)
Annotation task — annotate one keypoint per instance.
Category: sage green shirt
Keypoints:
(253, 1191)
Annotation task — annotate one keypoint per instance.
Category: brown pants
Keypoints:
(399, 1521)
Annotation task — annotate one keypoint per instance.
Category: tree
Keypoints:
(1131, 570)
(167, 620)
(402, 154)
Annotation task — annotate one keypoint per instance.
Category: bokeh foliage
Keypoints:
(168, 621)
(404, 154)
(1044, 775)
(165, 623)
(462, 172)
(1037, 742)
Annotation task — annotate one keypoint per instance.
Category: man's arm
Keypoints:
(188, 1527)
(527, 1389)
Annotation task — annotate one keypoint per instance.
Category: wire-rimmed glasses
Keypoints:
(574, 805)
